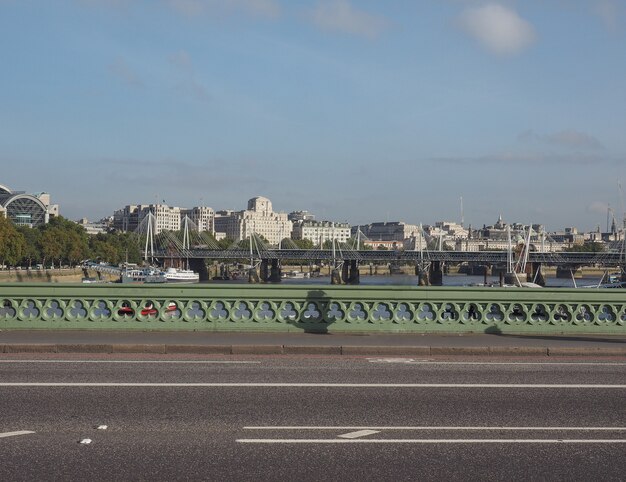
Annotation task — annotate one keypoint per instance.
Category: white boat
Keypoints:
(142, 275)
(174, 275)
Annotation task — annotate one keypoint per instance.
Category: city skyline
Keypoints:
(355, 111)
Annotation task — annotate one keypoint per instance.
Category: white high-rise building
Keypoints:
(321, 231)
(167, 218)
(202, 217)
(259, 218)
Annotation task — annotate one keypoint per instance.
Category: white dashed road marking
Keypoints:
(355, 437)
(12, 434)
(360, 433)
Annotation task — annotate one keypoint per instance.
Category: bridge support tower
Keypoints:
(421, 272)
(275, 271)
(436, 273)
(335, 277)
(350, 272)
(200, 267)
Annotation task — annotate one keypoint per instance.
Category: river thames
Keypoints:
(448, 280)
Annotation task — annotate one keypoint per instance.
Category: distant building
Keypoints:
(387, 231)
(259, 218)
(203, 217)
(380, 244)
(296, 216)
(321, 231)
(450, 230)
(167, 218)
(93, 228)
(27, 209)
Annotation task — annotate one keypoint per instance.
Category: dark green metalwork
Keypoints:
(314, 308)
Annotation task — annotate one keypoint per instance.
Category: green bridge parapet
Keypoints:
(311, 308)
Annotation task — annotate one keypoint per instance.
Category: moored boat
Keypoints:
(174, 275)
(142, 275)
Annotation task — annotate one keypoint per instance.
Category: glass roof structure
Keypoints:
(23, 209)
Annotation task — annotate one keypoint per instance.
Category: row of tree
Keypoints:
(62, 242)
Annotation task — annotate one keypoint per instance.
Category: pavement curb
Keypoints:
(199, 349)
(345, 350)
(386, 350)
(568, 351)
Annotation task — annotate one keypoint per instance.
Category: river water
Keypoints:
(448, 280)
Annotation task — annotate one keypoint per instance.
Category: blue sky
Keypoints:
(358, 111)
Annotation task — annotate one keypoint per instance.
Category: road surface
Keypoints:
(310, 418)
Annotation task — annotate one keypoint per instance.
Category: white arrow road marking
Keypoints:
(12, 434)
(360, 433)
(85, 441)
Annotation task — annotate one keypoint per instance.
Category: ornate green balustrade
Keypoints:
(314, 308)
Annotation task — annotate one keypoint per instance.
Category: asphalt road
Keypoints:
(315, 418)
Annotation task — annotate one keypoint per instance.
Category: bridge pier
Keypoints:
(253, 276)
(486, 274)
(436, 273)
(350, 272)
(275, 272)
(422, 276)
(264, 269)
(354, 277)
(537, 275)
(335, 277)
(199, 266)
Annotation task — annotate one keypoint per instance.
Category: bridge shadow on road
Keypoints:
(313, 316)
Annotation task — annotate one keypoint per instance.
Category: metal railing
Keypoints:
(313, 308)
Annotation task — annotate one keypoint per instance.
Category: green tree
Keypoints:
(304, 243)
(11, 242)
(52, 244)
(76, 248)
(225, 243)
(103, 248)
(31, 253)
(591, 247)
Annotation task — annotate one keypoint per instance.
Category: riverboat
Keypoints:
(174, 275)
(142, 275)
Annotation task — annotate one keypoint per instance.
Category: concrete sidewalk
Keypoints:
(307, 343)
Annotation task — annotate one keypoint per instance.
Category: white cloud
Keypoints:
(192, 8)
(499, 29)
(340, 16)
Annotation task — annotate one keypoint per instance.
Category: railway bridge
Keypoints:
(266, 264)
